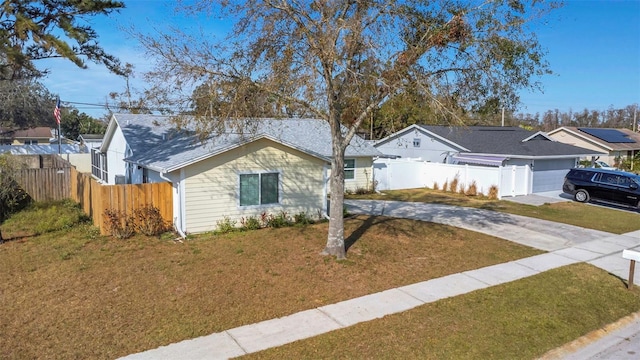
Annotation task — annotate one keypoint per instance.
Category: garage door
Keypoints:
(548, 180)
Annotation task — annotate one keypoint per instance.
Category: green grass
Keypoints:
(518, 320)
(44, 217)
(570, 212)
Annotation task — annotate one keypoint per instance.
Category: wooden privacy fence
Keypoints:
(45, 184)
(94, 198)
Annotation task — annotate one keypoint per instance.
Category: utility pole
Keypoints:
(635, 129)
(371, 134)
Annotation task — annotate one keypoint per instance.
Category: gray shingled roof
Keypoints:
(157, 144)
(505, 141)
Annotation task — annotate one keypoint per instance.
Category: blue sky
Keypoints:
(593, 47)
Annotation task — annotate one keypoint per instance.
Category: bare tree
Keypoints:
(339, 60)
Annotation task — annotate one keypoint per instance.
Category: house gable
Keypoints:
(211, 186)
(417, 142)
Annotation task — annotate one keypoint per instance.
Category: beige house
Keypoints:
(33, 136)
(276, 165)
(618, 144)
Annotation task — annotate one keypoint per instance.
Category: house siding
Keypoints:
(402, 145)
(115, 155)
(212, 185)
(568, 138)
(363, 174)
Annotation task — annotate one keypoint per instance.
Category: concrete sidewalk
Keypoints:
(566, 245)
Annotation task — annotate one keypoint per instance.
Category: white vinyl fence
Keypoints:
(396, 174)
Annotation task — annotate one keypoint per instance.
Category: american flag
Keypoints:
(56, 112)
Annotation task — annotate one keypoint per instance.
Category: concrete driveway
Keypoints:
(537, 199)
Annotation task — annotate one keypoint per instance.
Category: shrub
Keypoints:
(493, 192)
(473, 189)
(57, 215)
(461, 190)
(453, 187)
(278, 221)
(148, 221)
(362, 191)
(264, 219)
(302, 219)
(12, 197)
(226, 225)
(119, 224)
(250, 223)
(436, 186)
(445, 186)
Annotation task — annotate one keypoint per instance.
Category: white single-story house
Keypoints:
(270, 166)
(616, 144)
(548, 159)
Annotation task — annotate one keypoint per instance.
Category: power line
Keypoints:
(108, 106)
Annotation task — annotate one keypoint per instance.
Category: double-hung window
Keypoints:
(349, 169)
(259, 189)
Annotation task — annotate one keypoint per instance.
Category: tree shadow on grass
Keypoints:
(365, 225)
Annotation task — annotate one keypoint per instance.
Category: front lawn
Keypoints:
(71, 293)
(74, 294)
(518, 320)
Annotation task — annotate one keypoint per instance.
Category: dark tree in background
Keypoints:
(25, 103)
(74, 123)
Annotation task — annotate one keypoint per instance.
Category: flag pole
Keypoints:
(57, 115)
(59, 140)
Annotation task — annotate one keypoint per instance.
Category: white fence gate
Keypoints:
(396, 174)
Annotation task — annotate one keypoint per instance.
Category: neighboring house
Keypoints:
(617, 144)
(273, 165)
(34, 136)
(548, 159)
(91, 141)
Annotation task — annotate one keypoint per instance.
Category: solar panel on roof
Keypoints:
(608, 135)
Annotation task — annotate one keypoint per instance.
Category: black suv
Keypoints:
(607, 185)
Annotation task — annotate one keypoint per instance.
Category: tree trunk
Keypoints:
(335, 238)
